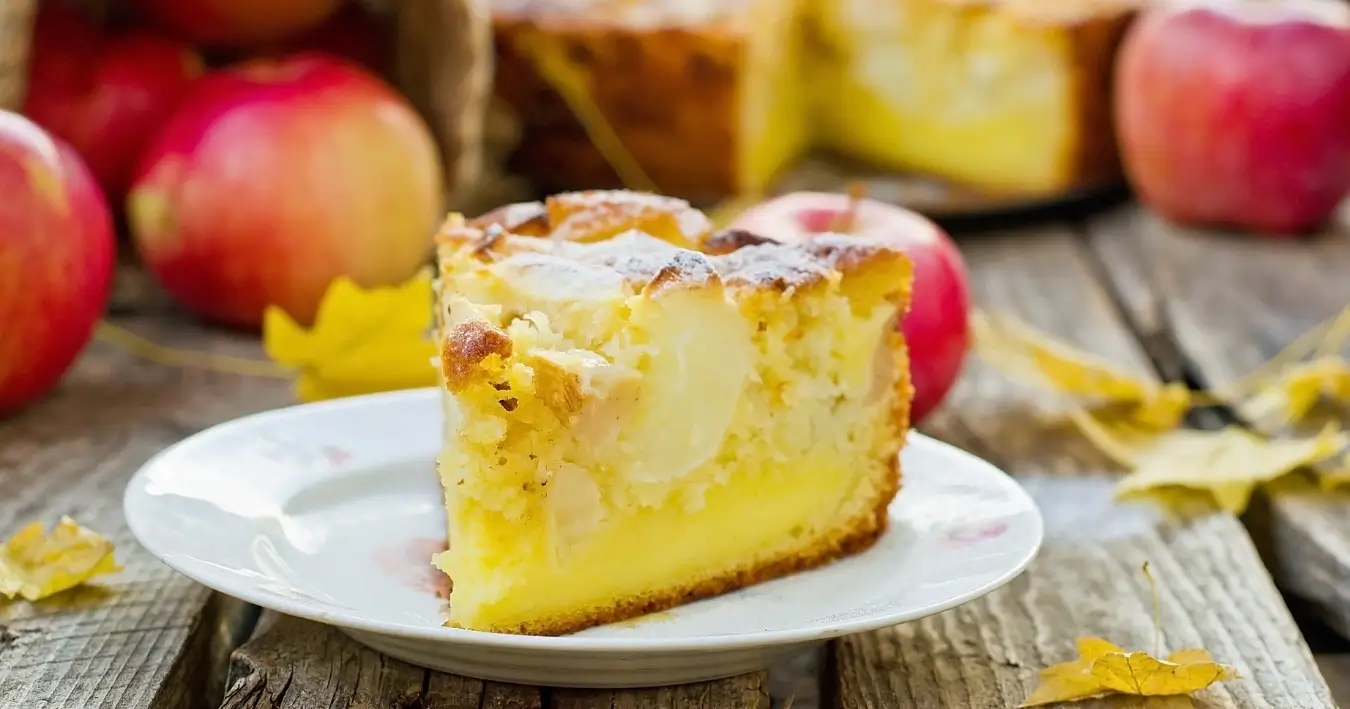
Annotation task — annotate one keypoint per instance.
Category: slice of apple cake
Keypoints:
(637, 425)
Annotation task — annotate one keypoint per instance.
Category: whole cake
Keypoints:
(714, 98)
(634, 424)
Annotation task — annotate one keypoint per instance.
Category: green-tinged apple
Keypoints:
(276, 176)
(56, 260)
(937, 326)
(1236, 113)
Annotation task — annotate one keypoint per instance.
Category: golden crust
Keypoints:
(596, 215)
(737, 259)
(671, 93)
(466, 347)
(855, 536)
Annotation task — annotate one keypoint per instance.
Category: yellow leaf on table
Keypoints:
(1104, 668)
(1227, 464)
(1036, 359)
(362, 341)
(35, 565)
(1028, 355)
(1322, 341)
(1288, 397)
(1335, 473)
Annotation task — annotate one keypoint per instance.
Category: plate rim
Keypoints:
(442, 634)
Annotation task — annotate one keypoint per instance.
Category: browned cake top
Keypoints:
(525, 235)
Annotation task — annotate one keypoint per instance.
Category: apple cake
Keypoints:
(715, 99)
(637, 424)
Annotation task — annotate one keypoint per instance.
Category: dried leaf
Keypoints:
(1335, 474)
(1323, 340)
(1288, 397)
(1227, 464)
(1035, 359)
(35, 565)
(362, 341)
(1103, 668)
(1140, 673)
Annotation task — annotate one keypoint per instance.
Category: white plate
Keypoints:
(331, 512)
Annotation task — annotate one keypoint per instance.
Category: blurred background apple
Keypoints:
(106, 96)
(1236, 113)
(276, 176)
(56, 260)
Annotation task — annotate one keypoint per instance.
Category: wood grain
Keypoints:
(145, 637)
(1213, 589)
(297, 664)
(1228, 303)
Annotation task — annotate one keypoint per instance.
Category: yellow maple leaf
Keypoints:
(1227, 464)
(35, 565)
(362, 341)
(1103, 668)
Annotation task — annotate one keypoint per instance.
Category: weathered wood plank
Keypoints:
(1228, 303)
(1214, 591)
(147, 636)
(297, 664)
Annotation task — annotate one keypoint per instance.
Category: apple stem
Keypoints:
(847, 220)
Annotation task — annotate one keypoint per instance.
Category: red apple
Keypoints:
(275, 177)
(56, 260)
(1235, 112)
(236, 23)
(936, 327)
(105, 96)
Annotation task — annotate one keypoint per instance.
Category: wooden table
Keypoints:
(1165, 302)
